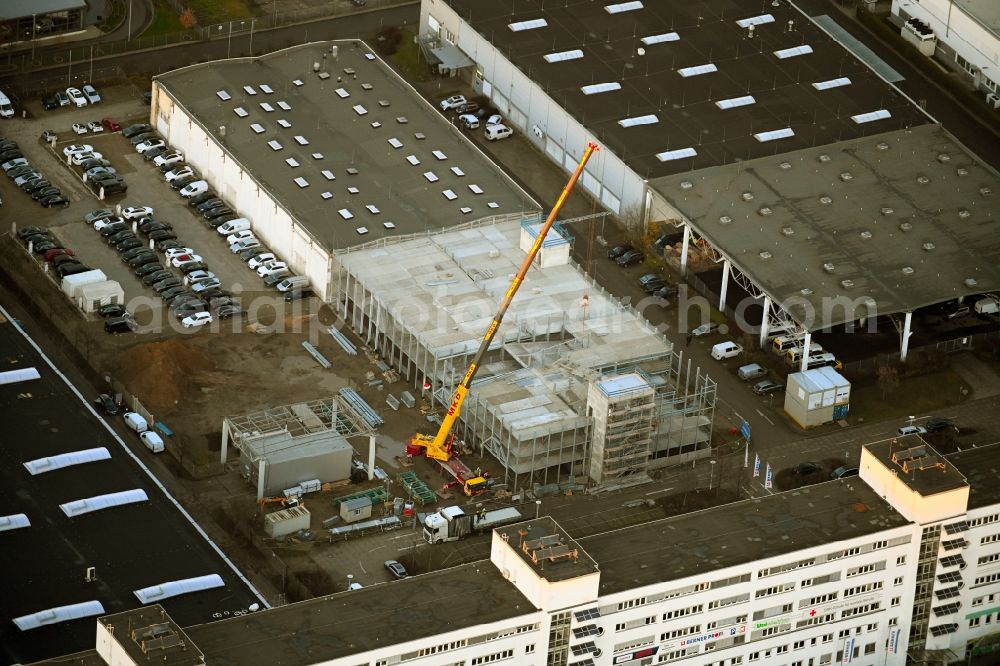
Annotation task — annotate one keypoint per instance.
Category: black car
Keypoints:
(37, 238)
(119, 325)
(227, 311)
(163, 234)
(170, 166)
(618, 251)
(156, 226)
(37, 184)
(250, 253)
(152, 153)
(151, 267)
(112, 229)
(630, 258)
(193, 266)
(146, 256)
(129, 244)
(105, 402)
(124, 235)
(178, 183)
(49, 191)
(215, 292)
(168, 283)
(31, 231)
(73, 269)
(50, 102)
(208, 204)
(173, 292)
(94, 162)
(199, 199)
(63, 266)
(111, 310)
(10, 154)
(133, 130)
(131, 254)
(64, 259)
(666, 292)
(178, 298)
(216, 213)
(298, 294)
(217, 222)
(153, 278)
(54, 200)
(807, 468)
(188, 308)
(651, 282)
(136, 139)
(468, 107)
(145, 223)
(938, 423)
(44, 246)
(168, 244)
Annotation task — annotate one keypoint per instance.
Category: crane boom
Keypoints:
(438, 447)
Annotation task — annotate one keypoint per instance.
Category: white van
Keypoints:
(823, 360)
(234, 226)
(778, 331)
(135, 422)
(726, 349)
(293, 282)
(152, 441)
(497, 132)
(6, 108)
(988, 305)
(794, 355)
(752, 371)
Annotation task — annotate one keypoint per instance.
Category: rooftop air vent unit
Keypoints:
(907, 270)
(825, 200)
(828, 267)
(725, 219)
(866, 235)
(846, 176)
(985, 191)
(943, 157)
(970, 282)
(785, 165)
(847, 284)
(764, 211)
(806, 292)
(747, 196)
(906, 226)
(923, 180)
(962, 171)
(764, 254)
(963, 213)
(824, 158)
(928, 246)
(316, 66)
(686, 184)
(886, 210)
(788, 231)
(882, 145)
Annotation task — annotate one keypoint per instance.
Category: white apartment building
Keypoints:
(900, 563)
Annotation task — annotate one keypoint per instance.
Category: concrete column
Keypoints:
(806, 341)
(904, 344)
(725, 285)
(764, 322)
(261, 476)
(371, 456)
(684, 250)
(224, 450)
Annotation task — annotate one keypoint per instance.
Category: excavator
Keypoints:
(440, 446)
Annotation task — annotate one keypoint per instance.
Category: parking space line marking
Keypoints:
(764, 417)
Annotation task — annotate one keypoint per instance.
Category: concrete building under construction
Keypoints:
(424, 302)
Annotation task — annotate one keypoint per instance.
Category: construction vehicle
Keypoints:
(452, 523)
(440, 446)
(285, 502)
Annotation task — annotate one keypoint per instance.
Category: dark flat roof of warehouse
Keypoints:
(914, 175)
(701, 542)
(981, 466)
(686, 107)
(346, 140)
(131, 546)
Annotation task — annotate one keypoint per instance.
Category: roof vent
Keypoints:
(963, 213)
(824, 158)
(315, 66)
(943, 157)
(747, 196)
(907, 270)
(985, 191)
(847, 284)
(828, 267)
(923, 180)
(970, 282)
(764, 210)
(882, 145)
(906, 226)
(825, 200)
(725, 219)
(962, 171)
(764, 254)
(846, 176)
(806, 292)
(788, 231)
(928, 246)
(886, 210)
(785, 165)
(867, 235)
(686, 184)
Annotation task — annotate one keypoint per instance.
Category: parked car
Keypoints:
(50, 102)
(179, 172)
(251, 252)
(79, 158)
(135, 422)
(751, 371)
(135, 212)
(630, 258)
(844, 472)
(726, 349)
(49, 135)
(216, 213)
(74, 148)
(119, 325)
(168, 283)
(162, 235)
(228, 311)
(124, 235)
(111, 124)
(152, 441)
(142, 258)
(452, 102)
(167, 159)
(619, 250)
(203, 285)
(468, 121)
(397, 570)
(173, 252)
(705, 329)
(146, 269)
(650, 282)
(937, 424)
(497, 132)
(76, 97)
(468, 107)
(806, 468)
(196, 275)
(105, 402)
(181, 259)
(79, 128)
(148, 225)
(62, 98)
(297, 294)
(157, 276)
(264, 257)
(153, 153)
(57, 252)
(54, 200)
(129, 244)
(133, 130)
(199, 199)
(237, 226)
(91, 93)
(197, 187)
(95, 127)
(149, 144)
(197, 319)
(274, 268)
(94, 162)
(766, 386)
(912, 430)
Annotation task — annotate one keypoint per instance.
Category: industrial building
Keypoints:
(27, 20)
(893, 567)
(323, 147)
(424, 304)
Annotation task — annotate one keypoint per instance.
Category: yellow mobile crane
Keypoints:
(439, 446)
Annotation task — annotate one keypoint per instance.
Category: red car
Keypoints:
(55, 252)
(111, 124)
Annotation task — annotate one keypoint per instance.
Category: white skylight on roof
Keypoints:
(284, 106)
(438, 154)
(341, 93)
(755, 20)
(527, 25)
(257, 128)
(284, 123)
(475, 189)
(388, 225)
(274, 145)
(99, 502)
(676, 154)
(292, 162)
(372, 209)
(224, 96)
(59, 614)
(346, 214)
(317, 156)
(52, 463)
(267, 107)
(805, 49)
(734, 102)
(250, 90)
(301, 140)
(564, 55)
(395, 143)
(16, 521)
(457, 171)
(623, 7)
(596, 88)
(241, 112)
(19, 375)
(301, 182)
(431, 176)
(148, 595)
(413, 160)
(697, 70)
(362, 230)
(465, 209)
(298, 82)
(774, 134)
(327, 195)
(369, 56)
(449, 195)
(661, 38)
(639, 120)
(493, 204)
(352, 190)
(328, 174)
(360, 110)
(266, 88)
(881, 114)
(832, 83)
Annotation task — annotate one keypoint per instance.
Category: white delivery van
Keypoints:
(752, 371)
(233, 226)
(6, 108)
(726, 349)
(135, 422)
(497, 132)
(152, 441)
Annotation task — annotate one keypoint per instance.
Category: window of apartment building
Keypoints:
(825, 658)
(827, 638)
(893, 621)
(880, 544)
(529, 649)
(844, 633)
(897, 581)
(729, 601)
(781, 649)
(490, 658)
(985, 520)
(895, 601)
(870, 648)
(798, 645)
(988, 559)
(872, 627)
(620, 626)
(682, 612)
(631, 603)
(991, 578)
(993, 538)
(901, 560)
(974, 622)
(774, 589)
(863, 569)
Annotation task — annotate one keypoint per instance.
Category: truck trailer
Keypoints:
(452, 523)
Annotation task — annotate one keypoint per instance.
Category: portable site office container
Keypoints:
(815, 397)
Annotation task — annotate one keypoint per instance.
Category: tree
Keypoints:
(888, 379)
(188, 19)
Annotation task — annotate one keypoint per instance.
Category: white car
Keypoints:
(195, 276)
(95, 126)
(495, 119)
(203, 285)
(272, 268)
(152, 441)
(105, 221)
(497, 132)
(174, 174)
(177, 251)
(149, 145)
(80, 128)
(469, 121)
(234, 226)
(194, 189)
(912, 430)
(80, 158)
(91, 93)
(136, 212)
(168, 158)
(728, 349)
(76, 96)
(244, 245)
(246, 234)
(260, 260)
(452, 102)
(77, 148)
(198, 318)
(182, 259)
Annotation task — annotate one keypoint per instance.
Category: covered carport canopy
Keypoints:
(450, 57)
(874, 226)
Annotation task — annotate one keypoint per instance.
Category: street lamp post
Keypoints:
(711, 474)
